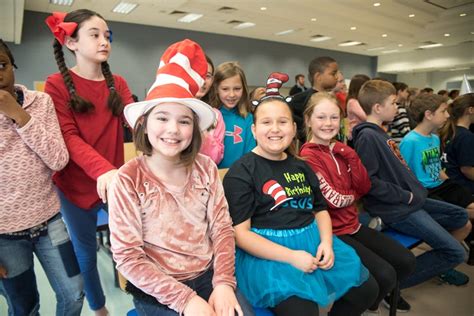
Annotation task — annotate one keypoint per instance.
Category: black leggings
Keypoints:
(357, 300)
(386, 259)
(353, 303)
(296, 306)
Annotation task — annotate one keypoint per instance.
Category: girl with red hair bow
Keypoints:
(89, 102)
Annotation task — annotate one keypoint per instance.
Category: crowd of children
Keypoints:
(281, 231)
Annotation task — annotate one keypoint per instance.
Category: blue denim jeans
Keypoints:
(203, 287)
(432, 224)
(4, 294)
(22, 300)
(54, 251)
(82, 227)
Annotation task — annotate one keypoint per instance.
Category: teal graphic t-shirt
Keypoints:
(423, 156)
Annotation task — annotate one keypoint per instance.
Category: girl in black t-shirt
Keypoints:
(287, 258)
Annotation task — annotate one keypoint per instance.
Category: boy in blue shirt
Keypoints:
(397, 196)
(421, 150)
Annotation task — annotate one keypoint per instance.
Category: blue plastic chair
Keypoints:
(262, 312)
(132, 312)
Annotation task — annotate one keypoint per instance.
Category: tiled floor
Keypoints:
(428, 299)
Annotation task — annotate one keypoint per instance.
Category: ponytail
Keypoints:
(447, 132)
(77, 103)
(114, 101)
(456, 109)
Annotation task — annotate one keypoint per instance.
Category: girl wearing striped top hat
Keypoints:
(171, 232)
(287, 258)
(89, 102)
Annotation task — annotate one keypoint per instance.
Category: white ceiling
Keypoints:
(334, 18)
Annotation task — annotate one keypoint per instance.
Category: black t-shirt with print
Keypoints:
(274, 194)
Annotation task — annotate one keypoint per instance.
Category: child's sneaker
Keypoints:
(370, 312)
(454, 277)
(402, 305)
(376, 223)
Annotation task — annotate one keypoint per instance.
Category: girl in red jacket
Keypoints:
(343, 180)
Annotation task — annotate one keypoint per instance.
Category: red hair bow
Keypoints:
(60, 28)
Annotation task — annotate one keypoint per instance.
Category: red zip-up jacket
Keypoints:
(343, 179)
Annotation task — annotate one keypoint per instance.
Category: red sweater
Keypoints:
(343, 180)
(94, 140)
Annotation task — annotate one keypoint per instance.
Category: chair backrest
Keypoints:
(129, 151)
(222, 173)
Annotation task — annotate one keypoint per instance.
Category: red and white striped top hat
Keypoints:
(179, 77)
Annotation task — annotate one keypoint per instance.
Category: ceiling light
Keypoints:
(384, 35)
(463, 14)
(353, 28)
(375, 48)
(472, 33)
(285, 32)
(411, 15)
(390, 51)
(191, 17)
(263, 8)
(244, 25)
(313, 20)
(124, 7)
(62, 2)
(461, 68)
(431, 45)
(377, 4)
(349, 43)
(447, 34)
(400, 45)
(320, 38)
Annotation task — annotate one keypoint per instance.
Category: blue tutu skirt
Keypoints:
(266, 283)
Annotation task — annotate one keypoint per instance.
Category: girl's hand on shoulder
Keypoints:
(103, 182)
(197, 306)
(303, 261)
(224, 302)
(325, 256)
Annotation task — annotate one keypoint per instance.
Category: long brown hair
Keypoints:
(225, 71)
(354, 86)
(77, 103)
(456, 110)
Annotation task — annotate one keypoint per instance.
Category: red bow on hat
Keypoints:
(60, 28)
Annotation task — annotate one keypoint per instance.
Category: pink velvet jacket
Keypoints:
(161, 237)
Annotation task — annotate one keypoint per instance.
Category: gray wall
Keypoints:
(137, 49)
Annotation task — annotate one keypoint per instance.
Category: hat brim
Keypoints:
(204, 111)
